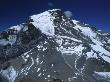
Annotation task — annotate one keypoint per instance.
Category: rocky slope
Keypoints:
(50, 47)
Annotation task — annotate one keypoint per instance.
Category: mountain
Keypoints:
(51, 47)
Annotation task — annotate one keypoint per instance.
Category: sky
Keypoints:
(93, 12)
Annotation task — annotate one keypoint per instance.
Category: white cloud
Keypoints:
(68, 13)
(50, 4)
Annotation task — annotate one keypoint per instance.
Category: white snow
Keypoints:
(104, 74)
(99, 48)
(24, 58)
(52, 65)
(45, 78)
(75, 22)
(3, 42)
(54, 10)
(44, 22)
(41, 62)
(12, 38)
(44, 49)
(91, 54)
(26, 69)
(98, 45)
(77, 50)
(69, 38)
(18, 27)
(86, 31)
(32, 63)
(25, 28)
(109, 41)
(102, 52)
(48, 76)
(10, 73)
(27, 56)
(39, 74)
(37, 61)
(38, 69)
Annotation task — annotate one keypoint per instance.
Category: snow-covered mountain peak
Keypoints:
(53, 10)
(44, 22)
(50, 47)
(18, 27)
(48, 20)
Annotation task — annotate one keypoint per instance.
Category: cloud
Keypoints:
(68, 13)
(50, 4)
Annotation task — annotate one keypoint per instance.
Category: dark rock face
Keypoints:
(3, 79)
(70, 55)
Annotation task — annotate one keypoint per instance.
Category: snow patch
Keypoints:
(44, 22)
(91, 55)
(75, 22)
(102, 52)
(77, 50)
(87, 31)
(38, 69)
(52, 65)
(37, 61)
(10, 74)
(69, 38)
(104, 74)
(3, 42)
(48, 76)
(109, 41)
(39, 74)
(18, 27)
